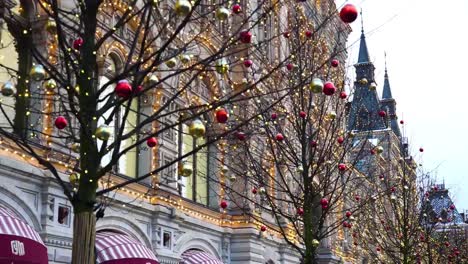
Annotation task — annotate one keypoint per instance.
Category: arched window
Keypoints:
(127, 164)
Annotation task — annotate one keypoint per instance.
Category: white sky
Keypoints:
(426, 43)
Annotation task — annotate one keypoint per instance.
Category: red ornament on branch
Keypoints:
(286, 34)
(342, 167)
(248, 63)
(263, 228)
(329, 88)
(303, 114)
(382, 113)
(290, 66)
(274, 116)
(324, 203)
(254, 190)
(221, 115)
(236, 9)
(223, 204)
(300, 211)
(123, 89)
(421, 150)
(78, 43)
(348, 13)
(313, 143)
(348, 214)
(309, 33)
(402, 122)
(245, 37)
(61, 122)
(279, 137)
(241, 136)
(334, 63)
(151, 142)
(343, 95)
(340, 140)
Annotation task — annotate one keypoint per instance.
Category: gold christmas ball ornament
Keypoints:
(74, 178)
(222, 13)
(185, 59)
(300, 169)
(182, 7)
(363, 81)
(316, 86)
(151, 80)
(75, 147)
(331, 115)
(232, 178)
(351, 134)
(185, 169)
(262, 190)
(373, 86)
(224, 169)
(171, 63)
(222, 67)
(37, 72)
(103, 132)
(197, 128)
(51, 26)
(315, 242)
(50, 84)
(8, 89)
(379, 149)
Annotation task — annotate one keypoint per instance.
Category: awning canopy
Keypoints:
(199, 257)
(19, 242)
(116, 248)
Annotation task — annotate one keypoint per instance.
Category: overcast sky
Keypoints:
(426, 43)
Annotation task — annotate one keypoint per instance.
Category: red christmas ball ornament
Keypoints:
(392, 189)
(151, 142)
(329, 88)
(236, 9)
(245, 37)
(345, 224)
(348, 214)
(342, 167)
(421, 150)
(241, 135)
(382, 113)
(357, 197)
(223, 204)
(274, 116)
(300, 211)
(302, 114)
(286, 34)
(78, 43)
(263, 228)
(340, 140)
(60, 122)
(221, 115)
(123, 89)
(254, 190)
(343, 95)
(402, 122)
(452, 207)
(248, 63)
(372, 151)
(378, 249)
(348, 13)
(290, 66)
(313, 143)
(139, 89)
(334, 63)
(324, 203)
(309, 33)
(279, 137)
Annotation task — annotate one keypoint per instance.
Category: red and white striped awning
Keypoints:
(117, 248)
(199, 257)
(19, 242)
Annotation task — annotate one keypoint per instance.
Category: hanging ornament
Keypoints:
(37, 72)
(343, 95)
(274, 116)
(290, 66)
(248, 63)
(185, 59)
(313, 143)
(379, 149)
(286, 34)
(245, 37)
(342, 167)
(222, 115)
(348, 214)
(334, 63)
(254, 190)
(222, 66)
(348, 13)
(8, 89)
(223, 204)
(421, 150)
(51, 26)
(123, 89)
(340, 140)
(75, 147)
(263, 228)
(183, 7)
(78, 43)
(300, 211)
(382, 113)
(222, 13)
(357, 197)
(402, 122)
(50, 84)
(331, 115)
(185, 169)
(363, 81)
(372, 86)
(224, 169)
(309, 33)
(74, 178)
(351, 134)
(315, 242)
(151, 142)
(329, 88)
(151, 80)
(262, 190)
(279, 137)
(324, 203)
(303, 114)
(236, 9)
(241, 136)
(316, 86)
(197, 128)
(171, 63)
(232, 178)
(60, 122)
(103, 132)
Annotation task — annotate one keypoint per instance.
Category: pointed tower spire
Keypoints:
(387, 92)
(363, 52)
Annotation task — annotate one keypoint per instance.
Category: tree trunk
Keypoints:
(84, 234)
